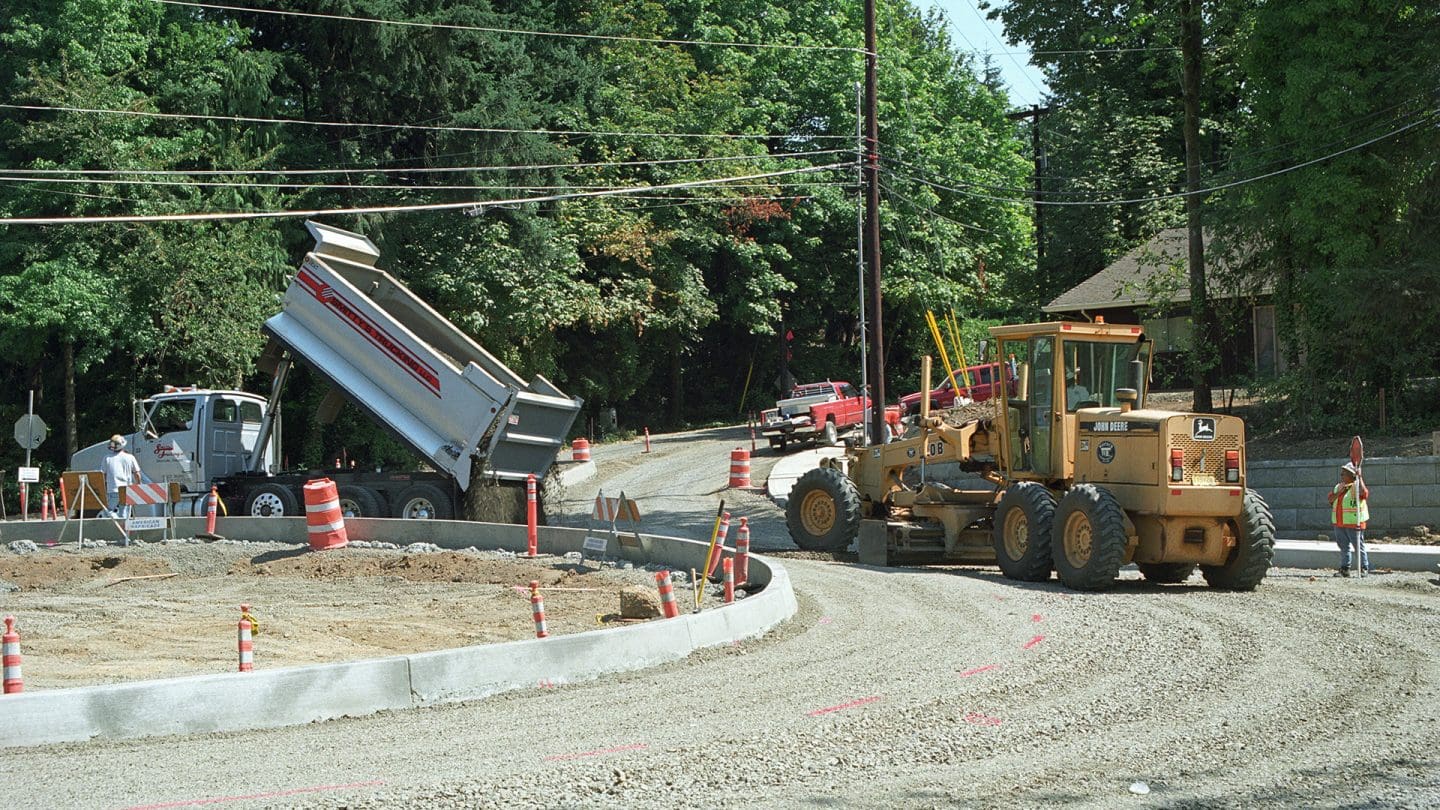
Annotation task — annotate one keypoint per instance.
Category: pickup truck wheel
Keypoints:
(823, 513)
(360, 502)
(1254, 548)
(1089, 546)
(778, 445)
(271, 500)
(1023, 521)
(831, 435)
(424, 502)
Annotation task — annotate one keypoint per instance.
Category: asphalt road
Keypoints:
(913, 688)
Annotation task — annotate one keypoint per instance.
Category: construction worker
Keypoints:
(1075, 391)
(121, 469)
(1350, 509)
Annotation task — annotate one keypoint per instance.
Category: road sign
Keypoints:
(29, 475)
(30, 431)
(141, 524)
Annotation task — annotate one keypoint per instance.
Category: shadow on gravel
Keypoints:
(1391, 782)
(279, 554)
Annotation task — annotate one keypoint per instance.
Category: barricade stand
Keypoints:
(10, 650)
(163, 495)
(537, 609)
(247, 645)
(611, 511)
(667, 594)
(86, 485)
(739, 468)
(742, 553)
(729, 568)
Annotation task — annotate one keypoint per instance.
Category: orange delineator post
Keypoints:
(667, 594)
(532, 518)
(537, 609)
(742, 552)
(44, 504)
(210, 503)
(729, 568)
(246, 643)
(713, 561)
(10, 651)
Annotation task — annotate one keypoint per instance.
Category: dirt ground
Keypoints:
(158, 611)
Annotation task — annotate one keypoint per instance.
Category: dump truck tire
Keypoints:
(272, 500)
(1089, 541)
(1254, 548)
(360, 502)
(823, 513)
(1166, 573)
(1023, 523)
(424, 502)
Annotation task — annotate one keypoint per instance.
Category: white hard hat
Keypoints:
(117, 441)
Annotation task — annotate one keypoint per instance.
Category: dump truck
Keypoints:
(1072, 474)
(466, 415)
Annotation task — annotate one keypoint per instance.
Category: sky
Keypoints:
(972, 31)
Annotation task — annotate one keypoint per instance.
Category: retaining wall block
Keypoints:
(1407, 470)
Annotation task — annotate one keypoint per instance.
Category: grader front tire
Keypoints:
(1023, 521)
(823, 513)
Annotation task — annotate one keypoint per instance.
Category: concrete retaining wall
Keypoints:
(297, 695)
(1404, 492)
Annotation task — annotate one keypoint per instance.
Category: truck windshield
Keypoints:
(172, 415)
(1093, 370)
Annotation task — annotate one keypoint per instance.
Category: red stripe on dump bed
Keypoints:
(370, 330)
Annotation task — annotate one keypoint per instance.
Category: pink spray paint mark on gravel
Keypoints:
(825, 620)
(852, 704)
(1036, 617)
(616, 750)
(277, 794)
(977, 670)
(1032, 642)
(978, 719)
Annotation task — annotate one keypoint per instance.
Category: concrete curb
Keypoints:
(785, 472)
(298, 695)
(1319, 554)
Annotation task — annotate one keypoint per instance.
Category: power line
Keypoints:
(517, 31)
(1161, 197)
(984, 23)
(347, 186)
(423, 127)
(388, 209)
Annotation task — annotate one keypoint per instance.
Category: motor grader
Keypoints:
(1072, 474)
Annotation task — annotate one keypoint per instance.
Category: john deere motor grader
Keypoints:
(1073, 474)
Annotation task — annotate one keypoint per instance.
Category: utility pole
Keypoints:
(860, 241)
(1204, 334)
(872, 233)
(1036, 195)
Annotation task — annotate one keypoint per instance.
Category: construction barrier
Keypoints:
(537, 609)
(729, 568)
(45, 504)
(532, 518)
(712, 562)
(739, 468)
(647, 439)
(211, 501)
(580, 450)
(323, 517)
(742, 552)
(667, 594)
(11, 653)
(246, 642)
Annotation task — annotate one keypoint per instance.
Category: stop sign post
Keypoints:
(30, 433)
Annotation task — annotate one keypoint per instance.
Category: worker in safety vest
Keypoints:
(1349, 510)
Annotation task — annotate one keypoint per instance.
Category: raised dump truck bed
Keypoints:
(412, 370)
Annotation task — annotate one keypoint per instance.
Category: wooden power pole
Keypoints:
(872, 234)
(1203, 337)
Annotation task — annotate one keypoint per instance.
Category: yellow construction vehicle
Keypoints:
(1072, 474)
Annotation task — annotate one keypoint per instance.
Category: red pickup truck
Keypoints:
(984, 380)
(819, 412)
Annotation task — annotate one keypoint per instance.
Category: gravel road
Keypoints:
(913, 688)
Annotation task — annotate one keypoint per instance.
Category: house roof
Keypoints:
(1152, 273)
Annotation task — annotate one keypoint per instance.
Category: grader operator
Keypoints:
(1073, 474)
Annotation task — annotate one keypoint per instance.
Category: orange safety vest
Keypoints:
(1348, 513)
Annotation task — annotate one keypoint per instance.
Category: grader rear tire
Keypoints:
(823, 513)
(1254, 548)
(1089, 546)
(1023, 521)
(1167, 573)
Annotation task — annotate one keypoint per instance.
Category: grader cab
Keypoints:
(1073, 474)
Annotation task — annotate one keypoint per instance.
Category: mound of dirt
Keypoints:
(32, 571)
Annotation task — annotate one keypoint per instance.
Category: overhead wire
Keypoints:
(475, 205)
(514, 31)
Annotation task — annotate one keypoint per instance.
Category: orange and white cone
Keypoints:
(667, 594)
(729, 568)
(246, 643)
(537, 609)
(742, 552)
(10, 650)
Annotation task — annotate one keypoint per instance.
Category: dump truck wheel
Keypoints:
(1089, 544)
(831, 435)
(359, 502)
(778, 445)
(823, 513)
(1167, 573)
(1023, 521)
(424, 502)
(1254, 548)
(271, 500)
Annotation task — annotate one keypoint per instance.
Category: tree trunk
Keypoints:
(72, 432)
(677, 384)
(1204, 346)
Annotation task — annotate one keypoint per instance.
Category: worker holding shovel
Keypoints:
(1349, 510)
